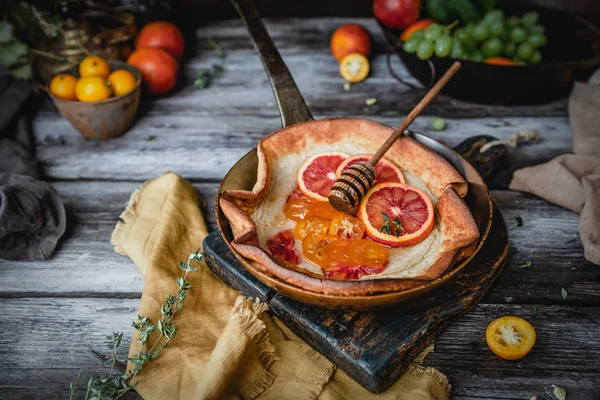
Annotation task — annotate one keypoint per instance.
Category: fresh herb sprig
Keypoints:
(205, 77)
(114, 386)
(395, 225)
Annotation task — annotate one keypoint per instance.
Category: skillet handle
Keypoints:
(290, 102)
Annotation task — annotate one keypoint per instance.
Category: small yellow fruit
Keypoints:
(121, 81)
(63, 86)
(94, 65)
(93, 88)
(354, 67)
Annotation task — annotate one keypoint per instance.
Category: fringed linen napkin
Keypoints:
(573, 180)
(226, 346)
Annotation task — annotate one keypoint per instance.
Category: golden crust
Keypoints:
(353, 136)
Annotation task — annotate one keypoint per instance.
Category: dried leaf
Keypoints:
(347, 86)
(563, 293)
(533, 398)
(534, 311)
(519, 220)
(371, 101)
(526, 265)
(559, 393)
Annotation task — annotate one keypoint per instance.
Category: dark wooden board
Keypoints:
(374, 348)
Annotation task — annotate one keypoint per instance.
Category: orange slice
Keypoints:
(385, 171)
(510, 337)
(317, 175)
(354, 67)
(397, 214)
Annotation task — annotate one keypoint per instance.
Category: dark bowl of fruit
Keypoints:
(511, 53)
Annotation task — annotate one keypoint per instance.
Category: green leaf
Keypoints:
(150, 138)
(563, 293)
(183, 265)
(13, 54)
(526, 265)
(160, 326)
(6, 32)
(534, 311)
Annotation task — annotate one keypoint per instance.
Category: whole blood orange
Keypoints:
(158, 68)
(385, 171)
(317, 175)
(397, 214)
(350, 38)
(397, 14)
(161, 34)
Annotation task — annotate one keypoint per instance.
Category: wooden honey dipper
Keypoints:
(356, 181)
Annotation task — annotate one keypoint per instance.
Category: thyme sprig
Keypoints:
(395, 225)
(205, 77)
(114, 386)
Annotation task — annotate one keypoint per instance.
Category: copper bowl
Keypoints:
(105, 119)
(243, 176)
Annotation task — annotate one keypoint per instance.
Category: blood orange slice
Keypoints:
(317, 175)
(385, 171)
(397, 214)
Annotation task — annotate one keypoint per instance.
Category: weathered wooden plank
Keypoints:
(86, 263)
(46, 342)
(204, 147)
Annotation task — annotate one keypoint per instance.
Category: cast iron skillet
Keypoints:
(572, 53)
(293, 111)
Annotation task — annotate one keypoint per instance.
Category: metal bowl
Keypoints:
(105, 119)
(243, 176)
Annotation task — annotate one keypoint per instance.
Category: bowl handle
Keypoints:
(290, 102)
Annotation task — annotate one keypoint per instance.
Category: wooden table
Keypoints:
(54, 315)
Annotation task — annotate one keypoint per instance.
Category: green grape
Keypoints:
(537, 29)
(470, 28)
(476, 56)
(510, 49)
(411, 45)
(433, 32)
(457, 50)
(524, 51)
(461, 34)
(535, 57)
(513, 21)
(496, 28)
(493, 15)
(518, 61)
(438, 123)
(443, 46)
(530, 18)
(425, 50)
(536, 40)
(420, 34)
(518, 34)
(491, 48)
(481, 32)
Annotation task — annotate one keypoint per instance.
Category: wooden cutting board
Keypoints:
(374, 348)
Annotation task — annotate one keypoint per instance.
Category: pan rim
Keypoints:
(411, 292)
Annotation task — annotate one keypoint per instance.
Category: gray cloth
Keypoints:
(32, 216)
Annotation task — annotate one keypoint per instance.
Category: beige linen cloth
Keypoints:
(226, 346)
(573, 180)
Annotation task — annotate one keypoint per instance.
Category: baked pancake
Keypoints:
(257, 216)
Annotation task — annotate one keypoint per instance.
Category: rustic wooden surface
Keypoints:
(54, 313)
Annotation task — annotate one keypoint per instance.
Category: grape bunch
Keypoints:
(515, 38)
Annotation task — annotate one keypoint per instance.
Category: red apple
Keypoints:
(397, 14)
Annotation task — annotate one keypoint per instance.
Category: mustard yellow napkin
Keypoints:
(573, 180)
(226, 346)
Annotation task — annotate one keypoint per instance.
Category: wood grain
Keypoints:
(46, 342)
(92, 268)
(48, 308)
